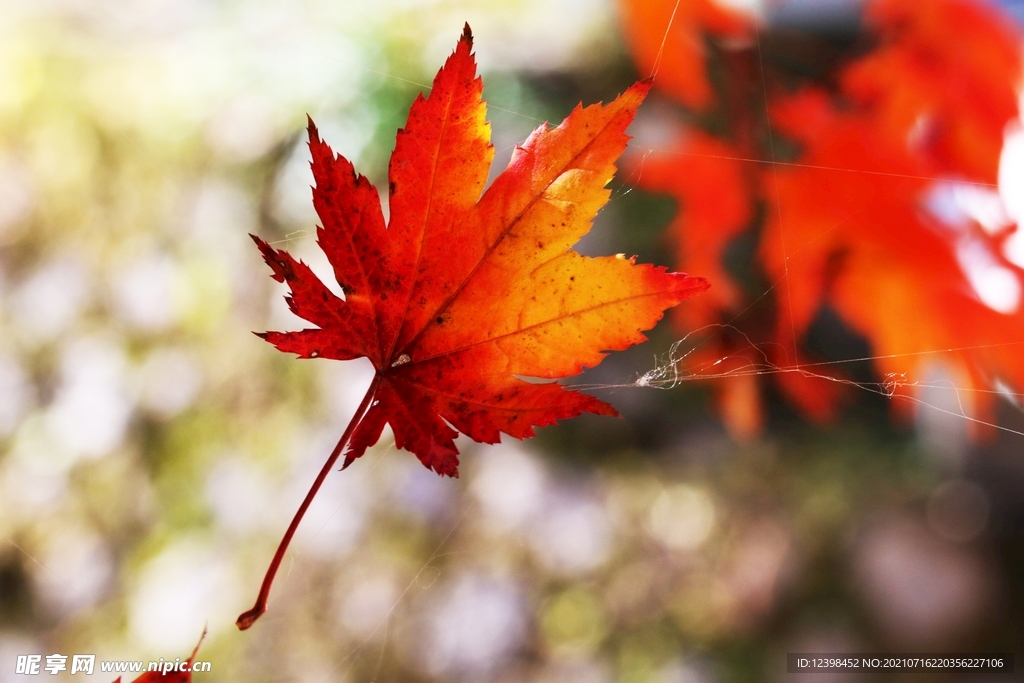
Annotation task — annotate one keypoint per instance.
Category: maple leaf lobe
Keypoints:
(467, 290)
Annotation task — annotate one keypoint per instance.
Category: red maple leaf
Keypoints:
(464, 293)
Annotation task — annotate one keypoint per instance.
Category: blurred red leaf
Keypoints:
(945, 72)
(855, 221)
(896, 272)
(713, 187)
(667, 36)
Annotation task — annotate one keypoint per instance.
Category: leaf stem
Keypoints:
(247, 619)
